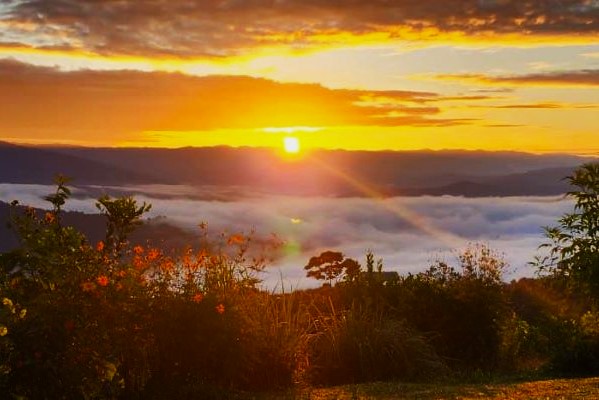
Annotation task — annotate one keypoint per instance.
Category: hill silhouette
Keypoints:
(321, 172)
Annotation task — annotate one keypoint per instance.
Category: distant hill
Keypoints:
(544, 182)
(157, 232)
(322, 172)
(21, 164)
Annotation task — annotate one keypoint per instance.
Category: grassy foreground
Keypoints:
(586, 388)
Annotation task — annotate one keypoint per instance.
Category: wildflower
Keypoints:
(100, 246)
(167, 265)
(88, 286)
(23, 313)
(3, 330)
(236, 239)
(7, 302)
(198, 297)
(122, 273)
(220, 308)
(138, 250)
(138, 262)
(102, 280)
(49, 218)
(153, 254)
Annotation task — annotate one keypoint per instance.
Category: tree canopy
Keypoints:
(574, 242)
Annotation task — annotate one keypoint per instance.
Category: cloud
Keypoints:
(353, 225)
(591, 54)
(116, 103)
(547, 105)
(585, 78)
(309, 225)
(221, 28)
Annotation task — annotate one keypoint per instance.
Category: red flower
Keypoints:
(236, 239)
(220, 308)
(100, 246)
(102, 280)
(49, 217)
(138, 263)
(198, 297)
(88, 286)
(153, 254)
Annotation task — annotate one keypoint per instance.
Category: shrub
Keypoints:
(359, 345)
(107, 319)
(462, 310)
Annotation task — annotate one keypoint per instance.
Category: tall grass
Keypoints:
(360, 345)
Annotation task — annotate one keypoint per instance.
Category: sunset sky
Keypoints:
(371, 74)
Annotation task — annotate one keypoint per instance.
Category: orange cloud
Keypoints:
(42, 102)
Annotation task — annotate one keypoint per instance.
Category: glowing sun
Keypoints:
(291, 144)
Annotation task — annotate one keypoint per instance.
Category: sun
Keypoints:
(291, 144)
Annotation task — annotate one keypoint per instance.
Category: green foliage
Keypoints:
(574, 243)
(76, 338)
(123, 216)
(113, 320)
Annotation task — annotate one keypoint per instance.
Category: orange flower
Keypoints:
(138, 262)
(153, 254)
(88, 286)
(102, 280)
(49, 217)
(220, 308)
(138, 250)
(100, 246)
(236, 239)
(121, 273)
(167, 265)
(198, 297)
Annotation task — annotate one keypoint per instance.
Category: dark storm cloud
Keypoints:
(217, 28)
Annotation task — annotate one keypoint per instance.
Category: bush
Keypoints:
(462, 311)
(360, 346)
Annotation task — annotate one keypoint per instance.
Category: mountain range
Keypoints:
(318, 172)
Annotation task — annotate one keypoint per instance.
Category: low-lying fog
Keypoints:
(407, 232)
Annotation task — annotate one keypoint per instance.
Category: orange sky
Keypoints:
(468, 74)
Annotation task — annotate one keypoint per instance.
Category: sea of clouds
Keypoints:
(409, 233)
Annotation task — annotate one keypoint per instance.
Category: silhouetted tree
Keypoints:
(330, 265)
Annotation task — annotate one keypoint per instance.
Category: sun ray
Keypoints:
(419, 221)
